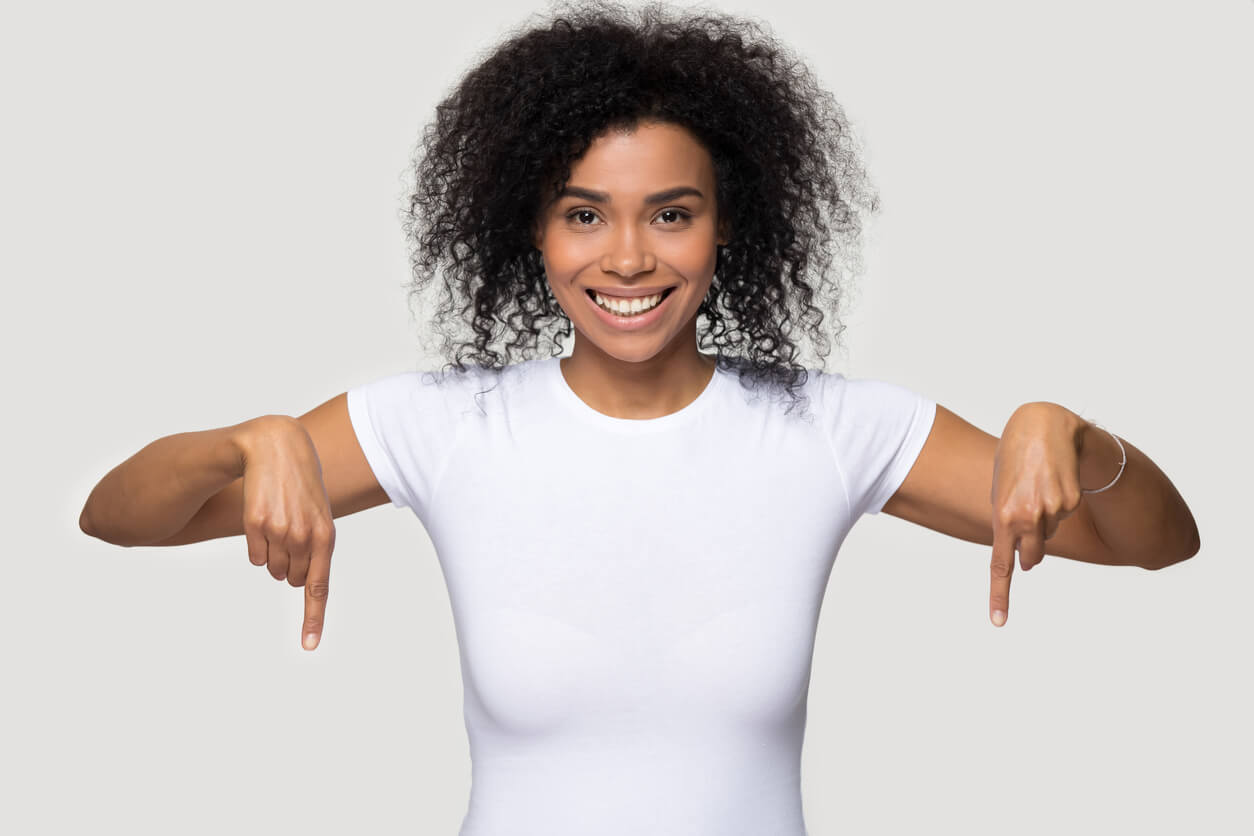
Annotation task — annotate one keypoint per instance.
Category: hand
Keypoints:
(287, 514)
(1036, 485)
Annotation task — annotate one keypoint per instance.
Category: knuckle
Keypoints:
(1005, 515)
(323, 531)
(1020, 517)
(298, 535)
(999, 569)
(317, 590)
(275, 529)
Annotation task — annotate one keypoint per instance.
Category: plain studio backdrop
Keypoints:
(200, 225)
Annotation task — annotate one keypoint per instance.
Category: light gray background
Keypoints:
(200, 226)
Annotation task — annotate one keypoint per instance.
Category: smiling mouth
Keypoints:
(593, 294)
(625, 302)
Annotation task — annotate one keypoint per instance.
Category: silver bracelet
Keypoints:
(1121, 464)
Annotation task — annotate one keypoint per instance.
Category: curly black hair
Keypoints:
(789, 179)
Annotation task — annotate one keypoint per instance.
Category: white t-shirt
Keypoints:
(635, 601)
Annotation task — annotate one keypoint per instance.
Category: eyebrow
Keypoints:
(656, 197)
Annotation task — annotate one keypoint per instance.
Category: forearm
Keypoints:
(1142, 517)
(154, 493)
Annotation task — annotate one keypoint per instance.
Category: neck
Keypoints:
(652, 388)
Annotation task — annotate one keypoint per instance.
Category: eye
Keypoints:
(580, 213)
(678, 214)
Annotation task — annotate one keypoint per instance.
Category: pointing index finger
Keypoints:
(316, 588)
(1000, 570)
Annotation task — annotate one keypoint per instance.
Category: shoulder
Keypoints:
(448, 384)
(844, 398)
(862, 414)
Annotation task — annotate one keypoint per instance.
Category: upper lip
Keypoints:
(631, 292)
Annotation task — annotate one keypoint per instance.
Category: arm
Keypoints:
(155, 492)
(278, 480)
(1148, 517)
(188, 487)
(1141, 521)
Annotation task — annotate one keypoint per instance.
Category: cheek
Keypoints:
(695, 261)
(692, 253)
(564, 258)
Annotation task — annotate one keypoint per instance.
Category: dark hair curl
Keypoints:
(790, 183)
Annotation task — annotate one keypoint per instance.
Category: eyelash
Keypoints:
(683, 215)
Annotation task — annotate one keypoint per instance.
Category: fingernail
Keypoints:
(999, 617)
(311, 641)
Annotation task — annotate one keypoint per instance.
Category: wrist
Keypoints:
(1081, 434)
(1101, 457)
(243, 439)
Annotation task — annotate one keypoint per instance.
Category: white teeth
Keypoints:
(627, 307)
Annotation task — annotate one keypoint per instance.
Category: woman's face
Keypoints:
(637, 218)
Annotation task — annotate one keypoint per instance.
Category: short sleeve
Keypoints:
(877, 430)
(407, 425)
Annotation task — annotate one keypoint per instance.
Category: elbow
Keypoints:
(1179, 555)
(87, 518)
(85, 524)
(89, 527)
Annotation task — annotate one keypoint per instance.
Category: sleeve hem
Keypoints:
(376, 456)
(920, 429)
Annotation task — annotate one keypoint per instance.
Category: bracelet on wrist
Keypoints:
(1122, 464)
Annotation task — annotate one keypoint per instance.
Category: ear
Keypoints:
(537, 234)
(724, 233)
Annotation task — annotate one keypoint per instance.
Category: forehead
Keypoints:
(640, 160)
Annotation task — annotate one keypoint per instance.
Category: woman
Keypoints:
(636, 537)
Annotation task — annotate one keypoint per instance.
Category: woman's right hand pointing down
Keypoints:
(287, 514)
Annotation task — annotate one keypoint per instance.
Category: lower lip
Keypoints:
(631, 323)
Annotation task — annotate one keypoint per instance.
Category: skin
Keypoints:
(281, 481)
(625, 241)
(1018, 493)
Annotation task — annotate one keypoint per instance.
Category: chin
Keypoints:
(627, 349)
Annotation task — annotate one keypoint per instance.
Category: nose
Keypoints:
(627, 254)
